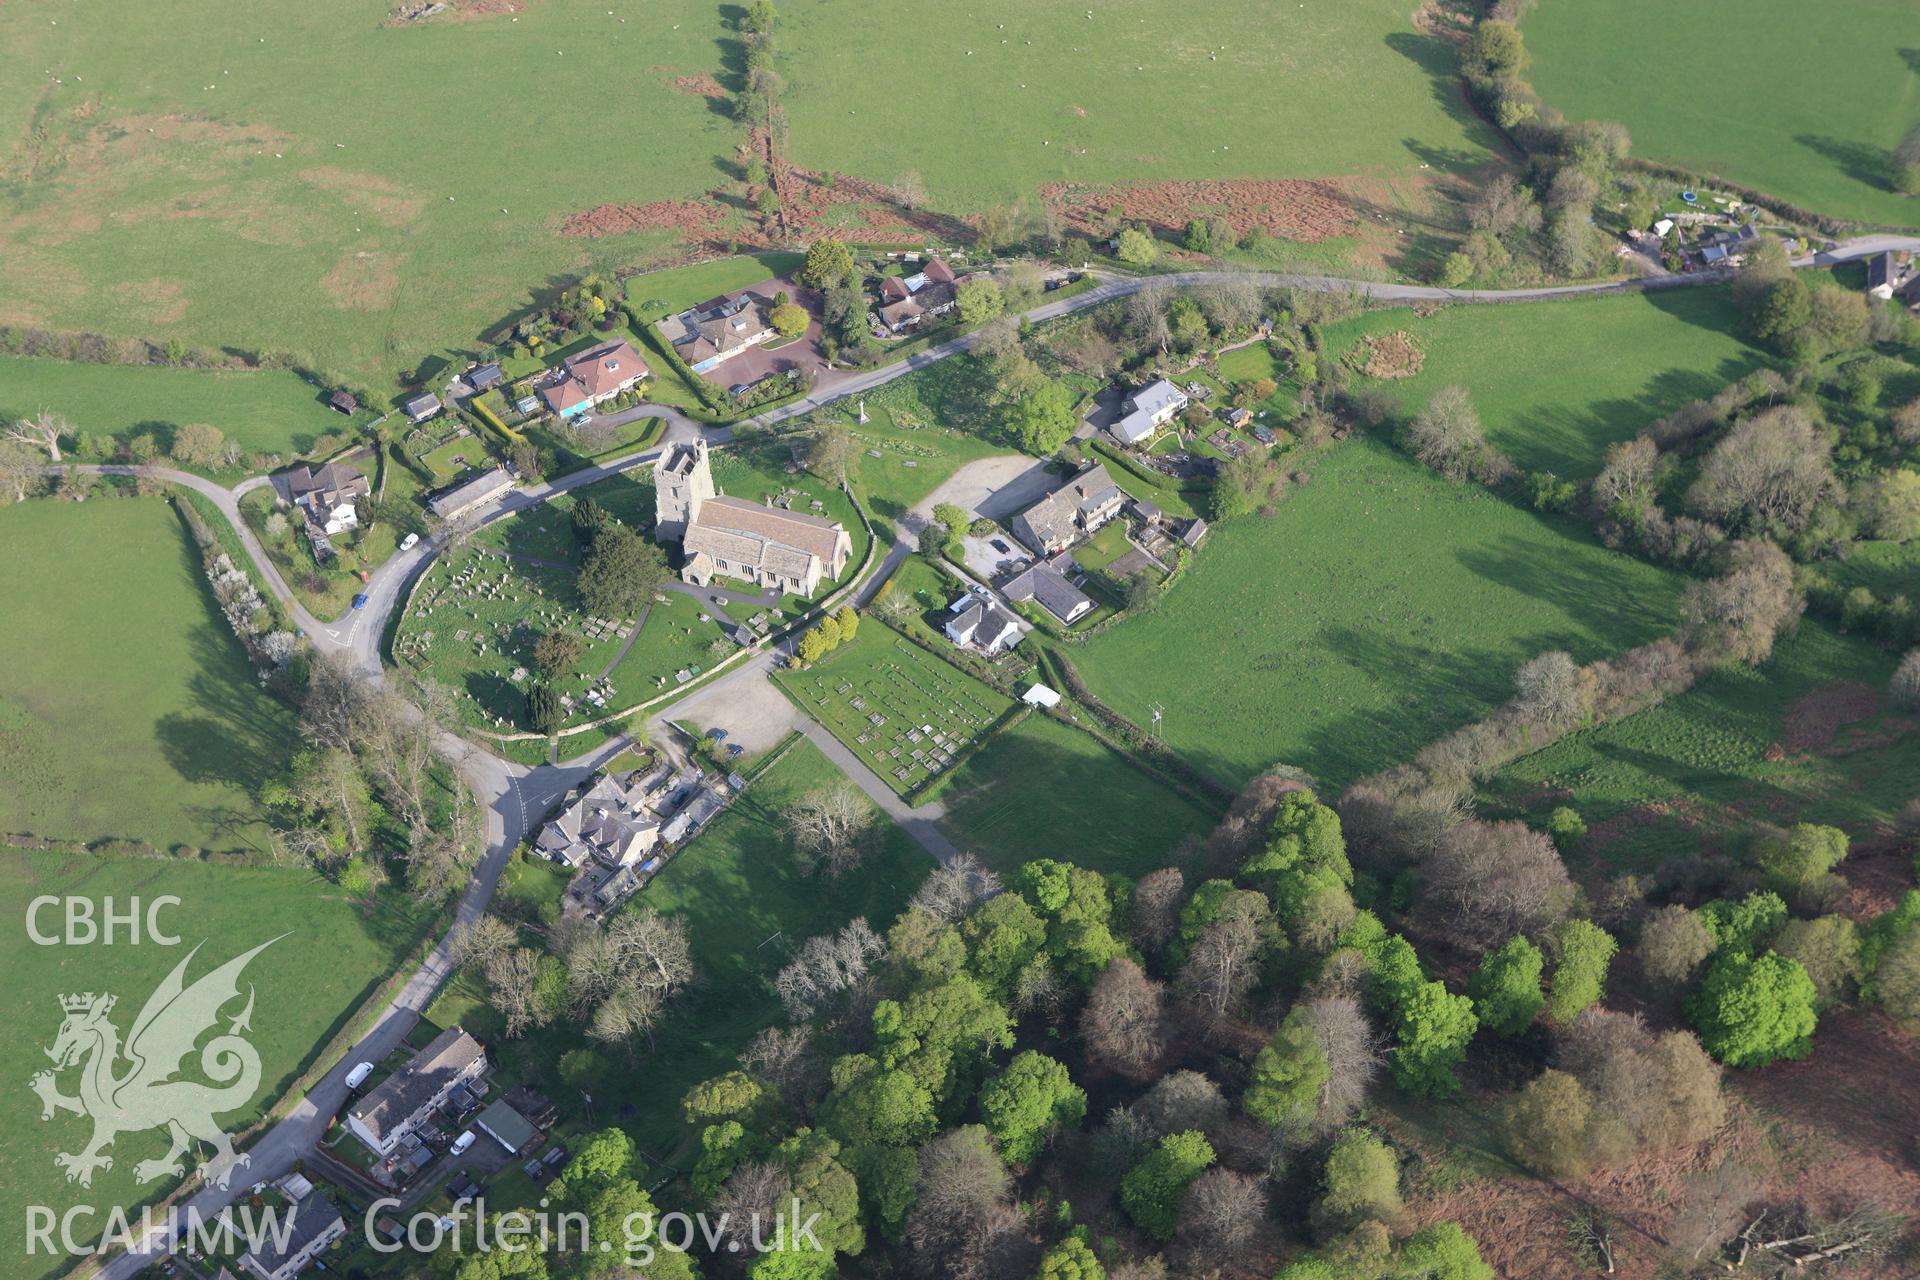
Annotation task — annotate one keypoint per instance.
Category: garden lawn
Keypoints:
(1696, 772)
(895, 705)
(127, 707)
(305, 984)
(1042, 789)
(748, 906)
(1032, 95)
(267, 411)
(178, 159)
(655, 294)
(1379, 608)
(1557, 382)
(1823, 94)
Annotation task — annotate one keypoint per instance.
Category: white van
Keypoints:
(407, 543)
(358, 1076)
(461, 1143)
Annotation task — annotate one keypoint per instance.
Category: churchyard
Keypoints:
(476, 616)
(908, 715)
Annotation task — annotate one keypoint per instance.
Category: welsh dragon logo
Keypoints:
(144, 1094)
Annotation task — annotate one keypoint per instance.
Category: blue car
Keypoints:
(360, 601)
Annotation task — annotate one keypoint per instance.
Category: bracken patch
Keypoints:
(1293, 208)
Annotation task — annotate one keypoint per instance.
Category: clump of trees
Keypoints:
(370, 791)
(828, 634)
(1447, 437)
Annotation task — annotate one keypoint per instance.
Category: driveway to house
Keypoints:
(513, 798)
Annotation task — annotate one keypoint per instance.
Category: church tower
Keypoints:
(682, 480)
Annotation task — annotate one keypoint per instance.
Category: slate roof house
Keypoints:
(592, 377)
(719, 329)
(386, 1115)
(1071, 512)
(733, 538)
(482, 376)
(304, 1233)
(482, 488)
(982, 623)
(608, 820)
(327, 494)
(1148, 409)
(1885, 276)
(1045, 583)
(421, 407)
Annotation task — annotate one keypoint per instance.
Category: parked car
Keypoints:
(999, 546)
(461, 1143)
(360, 601)
(358, 1076)
(409, 542)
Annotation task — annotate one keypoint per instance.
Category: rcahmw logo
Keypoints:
(143, 1082)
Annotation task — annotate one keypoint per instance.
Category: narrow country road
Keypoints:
(514, 797)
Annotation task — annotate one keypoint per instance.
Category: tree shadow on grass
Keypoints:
(1572, 440)
(1018, 799)
(1869, 165)
(1441, 64)
(1611, 599)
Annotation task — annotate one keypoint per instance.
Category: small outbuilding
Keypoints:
(343, 402)
(421, 407)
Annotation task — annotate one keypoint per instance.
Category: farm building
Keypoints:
(343, 402)
(481, 489)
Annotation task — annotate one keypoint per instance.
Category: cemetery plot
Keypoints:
(474, 622)
(905, 713)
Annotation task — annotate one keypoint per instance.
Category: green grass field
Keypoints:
(896, 706)
(1132, 90)
(748, 905)
(127, 709)
(1694, 773)
(320, 182)
(1377, 609)
(269, 411)
(1557, 382)
(300, 1003)
(1823, 94)
(1044, 790)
